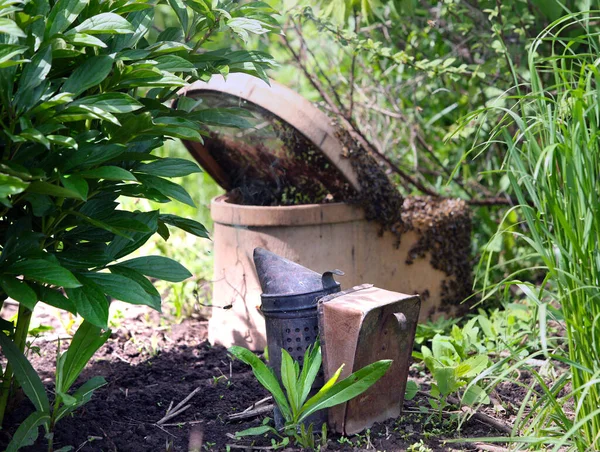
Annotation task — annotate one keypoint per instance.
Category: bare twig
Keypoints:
(477, 415)
(250, 448)
(178, 409)
(251, 413)
(178, 424)
(260, 402)
(490, 448)
(484, 418)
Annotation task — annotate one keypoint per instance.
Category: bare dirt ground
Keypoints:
(148, 367)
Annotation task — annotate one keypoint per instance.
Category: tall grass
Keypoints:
(552, 142)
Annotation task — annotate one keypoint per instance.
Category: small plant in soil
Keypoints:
(85, 100)
(295, 404)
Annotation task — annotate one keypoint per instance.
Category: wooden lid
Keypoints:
(271, 105)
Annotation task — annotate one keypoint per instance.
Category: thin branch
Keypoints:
(178, 409)
(354, 132)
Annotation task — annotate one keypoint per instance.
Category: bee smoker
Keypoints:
(290, 293)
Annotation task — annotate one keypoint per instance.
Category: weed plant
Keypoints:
(552, 162)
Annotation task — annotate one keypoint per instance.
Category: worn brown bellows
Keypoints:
(361, 326)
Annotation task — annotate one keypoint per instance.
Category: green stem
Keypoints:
(19, 338)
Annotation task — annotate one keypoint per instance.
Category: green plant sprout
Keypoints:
(295, 404)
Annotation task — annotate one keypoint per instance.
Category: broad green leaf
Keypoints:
(44, 271)
(244, 26)
(45, 188)
(25, 374)
(174, 63)
(9, 27)
(228, 117)
(83, 39)
(178, 127)
(62, 141)
(472, 367)
(35, 72)
(85, 343)
(141, 22)
(63, 14)
(105, 23)
(289, 378)
(347, 389)
(91, 73)
(181, 11)
(85, 112)
(36, 136)
(7, 51)
(76, 184)
(310, 369)
(158, 267)
(90, 301)
(10, 185)
(28, 430)
(167, 188)
(168, 167)
(109, 173)
(102, 225)
(122, 288)
(92, 155)
(19, 290)
(54, 298)
(121, 247)
(445, 378)
(256, 431)
(411, 390)
(191, 226)
(66, 399)
(265, 377)
(474, 395)
(83, 395)
(142, 281)
(111, 102)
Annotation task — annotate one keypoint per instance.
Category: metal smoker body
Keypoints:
(289, 305)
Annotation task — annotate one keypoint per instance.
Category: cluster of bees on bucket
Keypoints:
(444, 225)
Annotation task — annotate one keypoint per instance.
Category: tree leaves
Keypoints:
(90, 73)
(9, 27)
(105, 23)
(63, 14)
(26, 375)
(168, 167)
(158, 267)
(44, 271)
(90, 301)
(19, 290)
(123, 288)
(191, 226)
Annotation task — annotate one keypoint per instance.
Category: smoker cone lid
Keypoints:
(279, 276)
(286, 151)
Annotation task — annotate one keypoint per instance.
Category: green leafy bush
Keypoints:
(295, 405)
(85, 98)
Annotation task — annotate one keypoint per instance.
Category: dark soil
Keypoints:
(148, 368)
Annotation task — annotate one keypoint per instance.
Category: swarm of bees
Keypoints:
(444, 227)
(280, 166)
